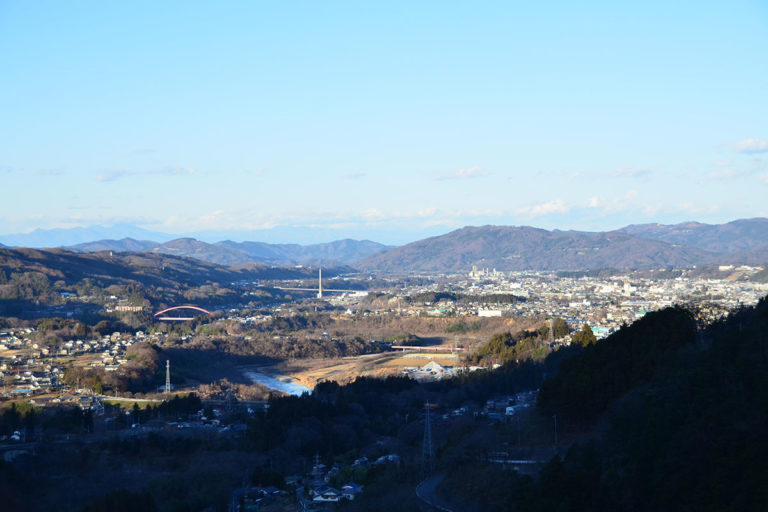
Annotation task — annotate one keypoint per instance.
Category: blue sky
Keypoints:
(384, 121)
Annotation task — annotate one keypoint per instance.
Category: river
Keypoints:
(284, 386)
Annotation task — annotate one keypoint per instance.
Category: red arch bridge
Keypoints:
(162, 315)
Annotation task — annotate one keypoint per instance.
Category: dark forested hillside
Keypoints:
(679, 422)
(588, 384)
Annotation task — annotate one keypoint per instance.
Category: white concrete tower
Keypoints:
(320, 283)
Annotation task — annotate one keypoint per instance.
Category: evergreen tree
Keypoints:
(584, 337)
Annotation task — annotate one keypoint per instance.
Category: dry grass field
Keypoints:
(309, 372)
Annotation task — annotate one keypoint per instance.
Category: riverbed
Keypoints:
(286, 385)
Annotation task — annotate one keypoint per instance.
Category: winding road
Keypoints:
(426, 493)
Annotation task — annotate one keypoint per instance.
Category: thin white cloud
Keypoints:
(652, 209)
(621, 203)
(727, 174)
(48, 172)
(764, 178)
(108, 176)
(375, 214)
(631, 172)
(627, 172)
(538, 210)
(354, 176)
(172, 171)
(751, 145)
(114, 175)
(372, 218)
(463, 174)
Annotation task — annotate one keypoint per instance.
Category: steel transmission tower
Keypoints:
(167, 377)
(427, 455)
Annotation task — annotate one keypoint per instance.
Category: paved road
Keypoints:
(426, 493)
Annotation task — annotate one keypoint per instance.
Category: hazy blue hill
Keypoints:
(239, 253)
(214, 253)
(62, 237)
(343, 251)
(339, 251)
(123, 245)
(502, 247)
(527, 248)
(757, 256)
(732, 237)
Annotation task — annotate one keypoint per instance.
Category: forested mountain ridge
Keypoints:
(677, 420)
(527, 248)
(730, 238)
(637, 246)
(237, 253)
(516, 248)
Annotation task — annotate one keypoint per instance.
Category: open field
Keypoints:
(308, 372)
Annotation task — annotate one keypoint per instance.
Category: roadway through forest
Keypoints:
(426, 491)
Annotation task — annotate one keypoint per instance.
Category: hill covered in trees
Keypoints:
(527, 248)
(731, 237)
(31, 280)
(671, 418)
(237, 253)
(148, 269)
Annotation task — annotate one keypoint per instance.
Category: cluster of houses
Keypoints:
(319, 479)
(313, 491)
(28, 367)
(500, 409)
(25, 377)
(23, 372)
(255, 498)
(83, 400)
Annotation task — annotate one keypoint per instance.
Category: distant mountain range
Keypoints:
(122, 245)
(304, 235)
(527, 248)
(502, 247)
(731, 238)
(59, 237)
(239, 253)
